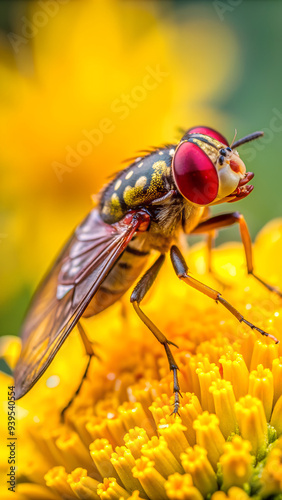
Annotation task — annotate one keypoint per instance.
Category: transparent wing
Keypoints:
(67, 290)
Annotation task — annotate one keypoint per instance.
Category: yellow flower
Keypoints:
(119, 439)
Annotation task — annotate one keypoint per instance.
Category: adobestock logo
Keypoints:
(228, 6)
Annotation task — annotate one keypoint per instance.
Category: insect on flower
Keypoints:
(143, 209)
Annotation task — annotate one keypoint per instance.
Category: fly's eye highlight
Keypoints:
(194, 174)
(229, 149)
(222, 152)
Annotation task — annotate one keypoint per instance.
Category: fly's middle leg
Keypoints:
(137, 296)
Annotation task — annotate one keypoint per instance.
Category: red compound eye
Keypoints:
(208, 131)
(195, 175)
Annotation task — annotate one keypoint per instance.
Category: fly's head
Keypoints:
(207, 171)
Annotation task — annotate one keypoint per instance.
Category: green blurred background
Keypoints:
(64, 64)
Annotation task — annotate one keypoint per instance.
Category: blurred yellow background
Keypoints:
(86, 84)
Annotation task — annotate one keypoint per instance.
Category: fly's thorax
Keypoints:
(144, 181)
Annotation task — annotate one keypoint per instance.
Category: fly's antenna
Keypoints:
(231, 145)
(248, 138)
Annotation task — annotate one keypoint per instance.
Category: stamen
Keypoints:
(237, 463)
(73, 450)
(209, 436)
(98, 429)
(174, 435)
(56, 479)
(111, 490)
(261, 386)
(224, 401)
(252, 422)
(157, 450)
(207, 373)
(152, 481)
(236, 372)
(277, 377)
(271, 478)
(134, 441)
(189, 411)
(276, 420)
(161, 407)
(180, 487)
(196, 463)
(83, 485)
(123, 462)
(132, 415)
(101, 452)
(233, 493)
(116, 429)
(264, 354)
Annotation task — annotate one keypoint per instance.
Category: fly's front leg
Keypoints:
(137, 296)
(225, 220)
(89, 350)
(181, 270)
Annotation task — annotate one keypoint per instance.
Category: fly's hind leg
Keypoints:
(90, 352)
(137, 296)
(181, 269)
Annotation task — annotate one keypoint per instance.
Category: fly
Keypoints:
(144, 208)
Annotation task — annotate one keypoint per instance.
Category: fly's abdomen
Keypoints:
(145, 180)
(123, 275)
